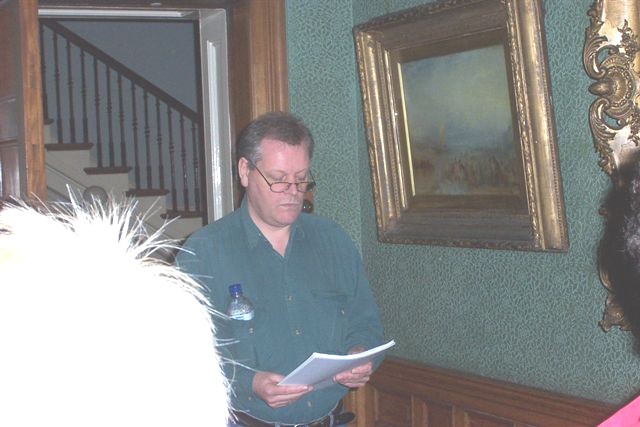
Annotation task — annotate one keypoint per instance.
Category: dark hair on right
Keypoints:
(278, 125)
(619, 247)
(631, 228)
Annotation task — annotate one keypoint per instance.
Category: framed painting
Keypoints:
(459, 123)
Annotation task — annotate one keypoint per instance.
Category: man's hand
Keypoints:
(355, 377)
(265, 385)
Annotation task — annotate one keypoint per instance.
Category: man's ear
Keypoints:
(243, 171)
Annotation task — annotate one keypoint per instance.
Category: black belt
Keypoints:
(334, 418)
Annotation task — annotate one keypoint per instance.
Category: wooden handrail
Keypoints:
(120, 68)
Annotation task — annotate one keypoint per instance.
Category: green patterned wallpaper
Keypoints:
(528, 318)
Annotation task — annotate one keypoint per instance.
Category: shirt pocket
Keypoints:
(331, 310)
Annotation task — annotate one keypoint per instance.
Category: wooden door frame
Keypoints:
(24, 157)
(35, 183)
(258, 62)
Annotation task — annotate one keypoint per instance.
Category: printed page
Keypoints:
(318, 370)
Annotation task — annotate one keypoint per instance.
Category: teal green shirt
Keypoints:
(314, 299)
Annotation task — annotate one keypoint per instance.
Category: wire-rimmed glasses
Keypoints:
(282, 186)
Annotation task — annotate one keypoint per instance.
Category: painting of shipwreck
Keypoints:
(459, 121)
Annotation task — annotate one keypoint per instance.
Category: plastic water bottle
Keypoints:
(240, 307)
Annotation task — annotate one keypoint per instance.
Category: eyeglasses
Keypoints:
(282, 186)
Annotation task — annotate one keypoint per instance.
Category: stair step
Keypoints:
(143, 192)
(106, 170)
(182, 214)
(69, 163)
(68, 147)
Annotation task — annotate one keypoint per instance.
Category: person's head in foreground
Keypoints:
(95, 331)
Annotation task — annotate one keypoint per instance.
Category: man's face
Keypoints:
(280, 162)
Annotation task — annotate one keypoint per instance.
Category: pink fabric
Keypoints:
(628, 416)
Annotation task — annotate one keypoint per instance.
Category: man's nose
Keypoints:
(293, 189)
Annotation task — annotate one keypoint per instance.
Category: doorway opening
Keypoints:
(184, 52)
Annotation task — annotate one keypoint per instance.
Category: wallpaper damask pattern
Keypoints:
(321, 72)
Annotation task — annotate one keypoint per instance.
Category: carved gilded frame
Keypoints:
(383, 46)
(610, 58)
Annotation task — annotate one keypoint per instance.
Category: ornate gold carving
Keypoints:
(610, 57)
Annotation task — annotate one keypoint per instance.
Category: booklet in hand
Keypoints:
(318, 370)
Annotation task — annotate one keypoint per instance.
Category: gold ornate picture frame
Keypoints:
(459, 122)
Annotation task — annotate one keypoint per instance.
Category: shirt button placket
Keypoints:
(291, 301)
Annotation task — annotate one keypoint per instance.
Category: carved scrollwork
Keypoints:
(609, 57)
(601, 135)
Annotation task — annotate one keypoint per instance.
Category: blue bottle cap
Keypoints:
(235, 289)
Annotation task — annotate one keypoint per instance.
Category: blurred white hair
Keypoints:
(95, 330)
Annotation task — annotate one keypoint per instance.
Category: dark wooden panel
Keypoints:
(435, 414)
(259, 79)
(482, 420)
(392, 409)
(412, 394)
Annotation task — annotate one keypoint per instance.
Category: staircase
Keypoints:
(107, 126)
(65, 171)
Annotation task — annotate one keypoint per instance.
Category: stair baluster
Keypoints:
(56, 73)
(96, 92)
(72, 120)
(136, 148)
(183, 158)
(123, 144)
(159, 145)
(196, 167)
(43, 67)
(110, 142)
(172, 166)
(83, 94)
(147, 140)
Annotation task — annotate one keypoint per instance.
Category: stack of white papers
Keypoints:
(319, 369)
